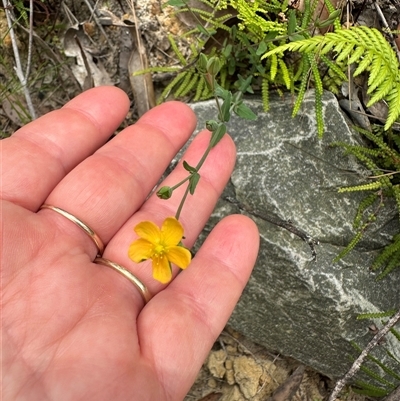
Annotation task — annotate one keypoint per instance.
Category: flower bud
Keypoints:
(212, 125)
(213, 65)
(164, 192)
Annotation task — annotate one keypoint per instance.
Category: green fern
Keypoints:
(369, 49)
(382, 186)
(376, 315)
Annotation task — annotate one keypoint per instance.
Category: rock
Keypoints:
(247, 375)
(293, 304)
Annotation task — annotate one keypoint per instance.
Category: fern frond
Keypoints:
(185, 82)
(306, 15)
(377, 140)
(194, 80)
(393, 100)
(285, 74)
(387, 370)
(397, 335)
(199, 89)
(274, 66)
(319, 114)
(393, 264)
(265, 94)
(165, 93)
(387, 252)
(364, 205)
(174, 46)
(334, 67)
(369, 389)
(356, 56)
(363, 187)
(367, 47)
(303, 86)
(156, 70)
(396, 194)
(345, 51)
(315, 71)
(218, 23)
(355, 240)
(377, 315)
(376, 376)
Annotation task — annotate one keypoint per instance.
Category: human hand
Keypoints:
(76, 330)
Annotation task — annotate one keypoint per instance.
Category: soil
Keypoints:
(236, 368)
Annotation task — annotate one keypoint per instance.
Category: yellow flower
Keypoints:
(162, 246)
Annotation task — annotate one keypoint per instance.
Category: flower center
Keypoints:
(159, 249)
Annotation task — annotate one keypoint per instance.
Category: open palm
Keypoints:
(75, 330)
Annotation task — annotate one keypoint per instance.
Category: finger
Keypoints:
(178, 327)
(109, 186)
(215, 174)
(41, 153)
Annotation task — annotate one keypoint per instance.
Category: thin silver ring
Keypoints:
(144, 292)
(91, 233)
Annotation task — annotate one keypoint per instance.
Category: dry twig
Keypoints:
(357, 363)
(23, 78)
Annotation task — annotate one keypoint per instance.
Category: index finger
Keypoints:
(40, 154)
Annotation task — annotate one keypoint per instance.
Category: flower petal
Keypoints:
(140, 250)
(149, 231)
(171, 231)
(161, 269)
(180, 256)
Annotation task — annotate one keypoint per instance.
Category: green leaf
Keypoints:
(193, 181)
(226, 108)
(244, 112)
(203, 30)
(227, 50)
(189, 168)
(296, 37)
(218, 135)
(244, 84)
(329, 20)
(262, 48)
(292, 24)
(221, 92)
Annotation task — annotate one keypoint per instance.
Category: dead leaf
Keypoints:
(79, 45)
(288, 389)
(211, 397)
(142, 84)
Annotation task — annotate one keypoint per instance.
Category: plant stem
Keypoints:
(198, 166)
(18, 67)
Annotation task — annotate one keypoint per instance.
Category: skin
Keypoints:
(75, 330)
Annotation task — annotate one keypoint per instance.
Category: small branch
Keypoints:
(96, 20)
(30, 40)
(357, 363)
(18, 68)
(387, 28)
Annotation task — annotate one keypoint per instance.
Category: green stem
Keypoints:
(178, 212)
(199, 165)
(180, 183)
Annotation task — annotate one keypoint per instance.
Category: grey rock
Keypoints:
(293, 304)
